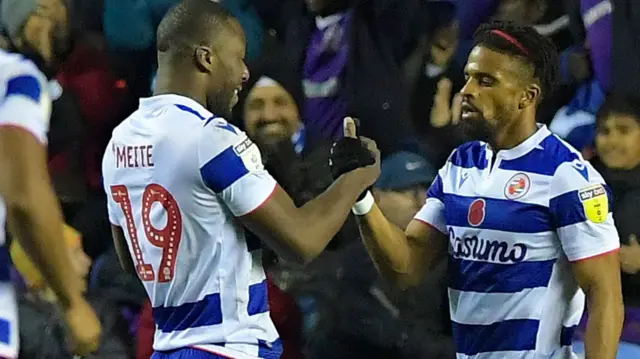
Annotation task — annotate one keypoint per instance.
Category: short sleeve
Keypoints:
(25, 101)
(231, 166)
(432, 212)
(580, 205)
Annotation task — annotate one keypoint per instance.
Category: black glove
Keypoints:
(347, 154)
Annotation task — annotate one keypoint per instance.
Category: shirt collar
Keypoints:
(527, 145)
(156, 101)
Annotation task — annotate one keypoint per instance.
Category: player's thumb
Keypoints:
(349, 127)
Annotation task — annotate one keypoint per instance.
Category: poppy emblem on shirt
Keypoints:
(477, 211)
(517, 186)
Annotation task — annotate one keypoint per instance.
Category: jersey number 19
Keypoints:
(167, 238)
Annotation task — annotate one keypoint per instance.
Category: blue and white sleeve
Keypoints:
(432, 212)
(580, 204)
(231, 166)
(25, 101)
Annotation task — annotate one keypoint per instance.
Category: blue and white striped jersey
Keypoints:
(516, 219)
(177, 177)
(24, 104)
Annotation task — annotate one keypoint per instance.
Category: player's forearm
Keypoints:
(388, 247)
(606, 315)
(323, 217)
(35, 219)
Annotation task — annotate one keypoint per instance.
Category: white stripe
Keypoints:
(475, 308)
(597, 12)
(560, 353)
(432, 212)
(541, 246)
(494, 186)
(9, 312)
(553, 27)
(227, 352)
(587, 239)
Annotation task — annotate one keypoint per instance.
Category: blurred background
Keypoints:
(394, 64)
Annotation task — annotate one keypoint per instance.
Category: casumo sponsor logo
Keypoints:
(486, 250)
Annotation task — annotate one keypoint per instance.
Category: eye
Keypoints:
(486, 81)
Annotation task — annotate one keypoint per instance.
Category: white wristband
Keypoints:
(364, 205)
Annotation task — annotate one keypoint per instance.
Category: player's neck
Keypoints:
(514, 134)
(170, 85)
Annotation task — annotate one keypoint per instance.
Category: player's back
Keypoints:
(24, 104)
(207, 287)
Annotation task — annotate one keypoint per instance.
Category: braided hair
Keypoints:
(526, 43)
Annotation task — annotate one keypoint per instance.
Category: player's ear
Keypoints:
(530, 96)
(204, 58)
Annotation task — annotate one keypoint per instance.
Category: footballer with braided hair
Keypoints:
(524, 220)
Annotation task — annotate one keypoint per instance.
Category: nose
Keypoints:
(245, 74)
(269, 112)
(469, 89)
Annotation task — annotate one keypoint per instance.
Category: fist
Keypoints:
(350, 152)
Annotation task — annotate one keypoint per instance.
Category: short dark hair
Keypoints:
(620, 104)
(191, 22)
(524, 42)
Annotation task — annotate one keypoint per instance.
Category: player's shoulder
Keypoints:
(468, 155)
(20, 76)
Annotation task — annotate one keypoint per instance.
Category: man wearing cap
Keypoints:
(402, 186)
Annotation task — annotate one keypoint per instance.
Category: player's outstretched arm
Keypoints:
(306, 231)
(34, 217)
(401, 257)
(33, 212)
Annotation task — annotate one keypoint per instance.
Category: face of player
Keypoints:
(270, 114)
(400, 206)
(492, 94)
(230, 73)
(618, 142)
(45, 35)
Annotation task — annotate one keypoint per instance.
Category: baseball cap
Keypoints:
(404, 170)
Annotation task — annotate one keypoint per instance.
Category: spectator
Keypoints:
(401, 189)
(346, 58)
(38, 314)
(618, 148)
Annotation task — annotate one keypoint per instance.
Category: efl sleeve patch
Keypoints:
(595, 203)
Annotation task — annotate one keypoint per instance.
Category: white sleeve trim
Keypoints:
(432, 213)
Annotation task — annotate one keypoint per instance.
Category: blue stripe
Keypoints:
(499, 214)
(567, 209)
(470, 155)
(435, 190)
(191, 111)
(5, 331)
(543, 161)
(258, 300)
(207, 311)
(484, 277)
(566, 335)
(5, 264)
(516, 335)
(223, 170)
(269, 350)
(26, 85)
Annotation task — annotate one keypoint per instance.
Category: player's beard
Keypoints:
(476, 128)
(220, 103)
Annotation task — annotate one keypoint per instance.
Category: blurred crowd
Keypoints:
(396, 65)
